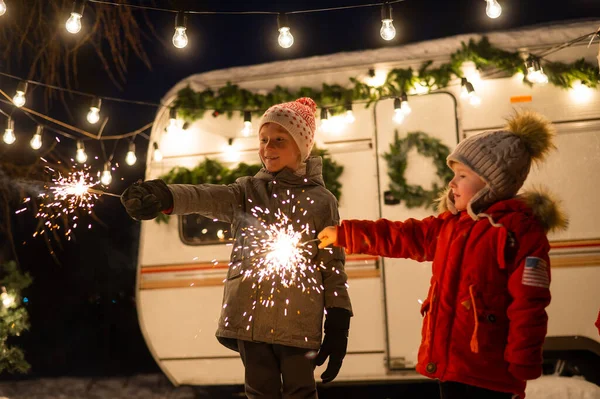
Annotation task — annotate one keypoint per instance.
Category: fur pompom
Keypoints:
(535, 131)
(546, 209)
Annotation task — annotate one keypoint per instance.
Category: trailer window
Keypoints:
(199, 230)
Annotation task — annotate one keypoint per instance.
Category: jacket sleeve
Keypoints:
(332, 261)
(215, 201)
(414, 239)
(529, 289)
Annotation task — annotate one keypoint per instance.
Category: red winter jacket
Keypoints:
(598, 322)
(484, 317)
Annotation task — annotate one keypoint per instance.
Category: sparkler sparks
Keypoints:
(63, 198)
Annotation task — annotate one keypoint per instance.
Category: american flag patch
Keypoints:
(536, 273)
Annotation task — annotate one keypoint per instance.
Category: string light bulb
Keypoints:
(387, 31)
(130, 158)
(173, 126)
(535, 72)
(93, 115)
(8, 300)
(247, 129)
(9, 133)
(406, 109)
(2, 7)
(493, 9)
(324, 120)
(157, 155)
(180, 39)
(19, 98)
(36, 140)
(349, 117)
(468, 93)
(80, 155)
(106, 177)
(285, 38)
(398, 117)
(73, 24)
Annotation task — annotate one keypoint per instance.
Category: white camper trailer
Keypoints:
(180, 274)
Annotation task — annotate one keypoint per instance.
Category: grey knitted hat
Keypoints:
(503, 158)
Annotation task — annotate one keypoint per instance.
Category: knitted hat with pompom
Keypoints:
(298, 118)
(503, 158)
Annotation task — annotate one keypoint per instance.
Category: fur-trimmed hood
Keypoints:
(544, 206)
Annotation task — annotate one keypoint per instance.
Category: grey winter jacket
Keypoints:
(289, 316)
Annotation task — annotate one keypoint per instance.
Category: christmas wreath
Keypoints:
(213, 172)
(415, 195)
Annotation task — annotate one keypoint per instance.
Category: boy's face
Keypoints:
(465, 185)
(277, 148)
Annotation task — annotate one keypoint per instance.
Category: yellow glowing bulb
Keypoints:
(387, 31)
(285, 38)
(36, 141)
(180, 39)
(493, 9)
(73, 24)
(19, 99)
(398, 116)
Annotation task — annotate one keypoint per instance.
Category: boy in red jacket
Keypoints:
(484, 317)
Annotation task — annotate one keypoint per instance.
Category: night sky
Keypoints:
(83, 318)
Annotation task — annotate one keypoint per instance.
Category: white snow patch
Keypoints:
(553, 387)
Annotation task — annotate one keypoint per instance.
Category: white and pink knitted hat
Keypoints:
(298, 118)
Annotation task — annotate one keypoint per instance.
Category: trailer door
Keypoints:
(405, 281)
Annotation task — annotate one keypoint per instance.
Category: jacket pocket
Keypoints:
(493, 321)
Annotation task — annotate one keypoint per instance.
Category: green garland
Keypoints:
(13, 317)
(213, 172)
(414, 195)
(230, 98)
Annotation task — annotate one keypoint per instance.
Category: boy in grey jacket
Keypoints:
(276, 328)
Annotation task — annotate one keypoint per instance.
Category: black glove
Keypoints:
(337, 324)
(144, 201)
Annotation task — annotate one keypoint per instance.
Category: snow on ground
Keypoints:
(156, 386)
(553, 387)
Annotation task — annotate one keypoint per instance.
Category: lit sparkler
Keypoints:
(278, 251)
(63, 197)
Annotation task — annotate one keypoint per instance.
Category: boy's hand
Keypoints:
(327, 236)
(144, 201)
(337, 324)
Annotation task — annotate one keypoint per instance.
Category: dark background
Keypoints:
(83, 317)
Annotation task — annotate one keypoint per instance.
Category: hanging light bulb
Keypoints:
(2, 8)
(180, 39)
(106, 177)
(404, 104)
(130, 158)
(36, 141)
(468, 93)
(173, 126)
(535, 72)
(8, 300)
(398, 117)
(285, 38)
(349, 117)
(9, 132)
(94, 115)
(387, 31)
(247, 129)
(80, 156)
(493, 9)
(73, 24)
(19, 98)
(158, 156)
(324, 126)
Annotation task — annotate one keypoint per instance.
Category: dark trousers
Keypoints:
(277, 371)
(457, 390)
